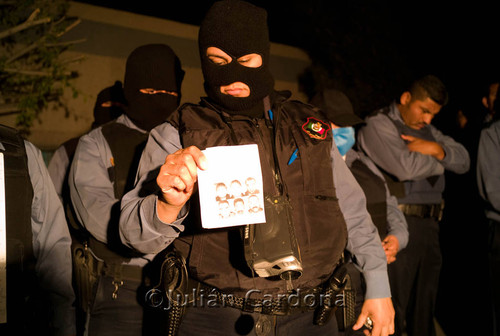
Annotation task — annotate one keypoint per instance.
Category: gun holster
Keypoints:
(346, 303)
(333, 288)
(174, 285)
(86, 270)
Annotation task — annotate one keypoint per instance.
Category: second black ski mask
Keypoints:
(156, 67)
(238, 28)
(109, 104)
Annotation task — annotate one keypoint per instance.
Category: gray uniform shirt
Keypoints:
(381, 141)
(51, 243)
(141, 228)
(488, 169)
(58, 166)
(396, 221)
(91, 189)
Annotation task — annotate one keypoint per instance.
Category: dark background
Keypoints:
(371, 49)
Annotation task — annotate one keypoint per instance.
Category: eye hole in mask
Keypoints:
(219, 57)
(150, 91)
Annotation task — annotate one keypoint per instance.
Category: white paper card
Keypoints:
(3, 247)
(231, 189)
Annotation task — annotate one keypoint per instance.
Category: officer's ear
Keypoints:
(485, 102)
(405, 98)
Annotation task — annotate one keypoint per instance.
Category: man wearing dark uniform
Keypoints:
(302, 173)
(103, 169)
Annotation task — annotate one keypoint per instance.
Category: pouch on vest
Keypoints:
(271, 248)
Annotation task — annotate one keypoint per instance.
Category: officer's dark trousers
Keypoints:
(230, 321)
(414, 278)
(358, 285)
(126, 315)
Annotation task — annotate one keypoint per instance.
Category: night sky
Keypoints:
(372, 49)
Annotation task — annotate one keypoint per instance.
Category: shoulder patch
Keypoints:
(315, 128)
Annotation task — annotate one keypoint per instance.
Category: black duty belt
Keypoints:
(124, 271)
(423, 210)
(280, 304)
(277, 306)
(119, 272)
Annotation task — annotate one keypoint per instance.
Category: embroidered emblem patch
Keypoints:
(315, 128)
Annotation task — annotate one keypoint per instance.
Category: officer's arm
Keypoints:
(488, 166)
(396, 221)
(381, 141)
(51, 244)
(91, 189)
(456, 157)
(140, 226)
(397, 234)
(58, 169)
(364, 243)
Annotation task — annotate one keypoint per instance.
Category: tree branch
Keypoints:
(68, 28)
(26, 50)
(76, 59)
(27, 24)
(33, 15)
(62, 44)
(36, 44)
(34, 73)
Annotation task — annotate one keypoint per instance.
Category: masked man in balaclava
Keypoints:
(103, 169)
(108, 106)
(302, 172)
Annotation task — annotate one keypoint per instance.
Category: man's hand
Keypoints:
(391, 247)
(176, 179)
(381, 313)
(424, 146)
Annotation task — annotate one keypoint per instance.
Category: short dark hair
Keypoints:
(429, 86)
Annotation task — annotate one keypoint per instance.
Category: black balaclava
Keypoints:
(109, 104)
(238, 28)
(152, 66)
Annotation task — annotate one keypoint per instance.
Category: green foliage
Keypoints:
(32, 71)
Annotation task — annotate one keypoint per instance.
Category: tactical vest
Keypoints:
(401, 189)
(126, 145)
(21, 278)
(216, 256)
(374, 188)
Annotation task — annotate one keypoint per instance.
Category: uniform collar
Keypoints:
(394, 112)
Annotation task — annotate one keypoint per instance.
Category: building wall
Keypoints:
(109, 37)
